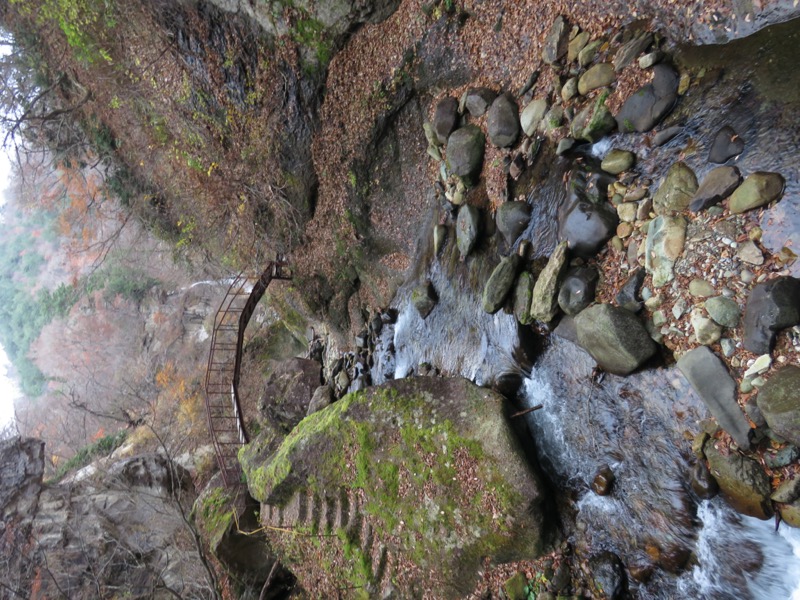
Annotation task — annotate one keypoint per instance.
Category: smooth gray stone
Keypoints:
(717, 389)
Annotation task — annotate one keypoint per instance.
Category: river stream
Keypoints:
(641, 426)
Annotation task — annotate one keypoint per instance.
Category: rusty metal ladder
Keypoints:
(225, 419)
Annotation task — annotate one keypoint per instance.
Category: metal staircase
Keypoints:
(225, 419)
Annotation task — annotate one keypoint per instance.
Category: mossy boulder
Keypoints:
(217, 511)
(742, 481)
(676, 191)
(409, 484)
(757, 190)
(500, 284)
(523, 294)
(544, 299)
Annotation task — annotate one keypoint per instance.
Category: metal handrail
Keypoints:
(225, 362)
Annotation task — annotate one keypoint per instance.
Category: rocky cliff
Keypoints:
(125, 532)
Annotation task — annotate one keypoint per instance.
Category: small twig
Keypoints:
(527, 410)
(268, 582)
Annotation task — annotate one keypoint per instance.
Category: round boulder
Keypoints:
(597, 76)
(618, 161)
(503, 122)
(726, 144)
(465, 151)
(676, 190)
(615, 338)
(652, 102)
(723, 310)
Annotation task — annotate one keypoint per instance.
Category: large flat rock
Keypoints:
(717, 389)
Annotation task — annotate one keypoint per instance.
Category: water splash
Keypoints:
(458, 337)
(727, 543)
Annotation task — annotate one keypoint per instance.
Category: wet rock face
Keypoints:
(651, 103)
(386, 472)
(577, 290)
(512, 218)
(779, 402)
(702, 482)
(586, 227)
(424, 298)
(726, 144)
(608, 575)
(614, 337)
(771, 306)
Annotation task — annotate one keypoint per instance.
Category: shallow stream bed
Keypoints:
(640, 426)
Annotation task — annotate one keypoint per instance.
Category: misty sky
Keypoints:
(8, 388)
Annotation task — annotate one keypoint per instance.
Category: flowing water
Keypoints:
(641, 425)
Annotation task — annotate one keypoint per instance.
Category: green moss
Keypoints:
(269, 478)
(292, 319)
(216, 515)
(400, 453)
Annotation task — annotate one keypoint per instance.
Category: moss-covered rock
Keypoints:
(413, 482)
(221, 516)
